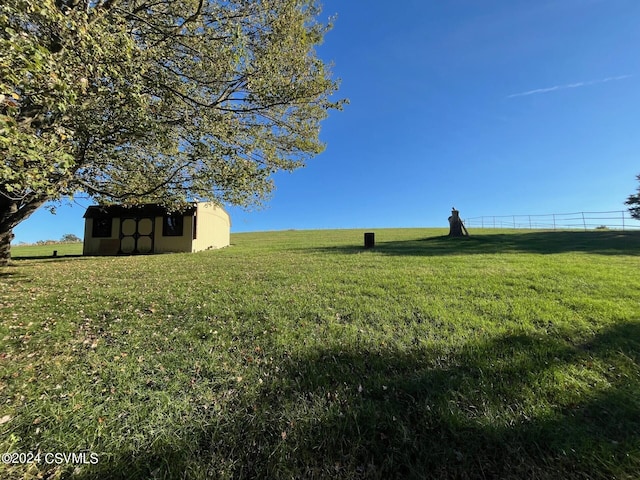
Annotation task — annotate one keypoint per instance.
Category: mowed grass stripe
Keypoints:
(302, 355)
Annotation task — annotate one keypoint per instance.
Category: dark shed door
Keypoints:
(136, 235)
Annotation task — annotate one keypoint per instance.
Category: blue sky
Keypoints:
(497, 107)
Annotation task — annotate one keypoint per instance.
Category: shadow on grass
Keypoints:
(9, 271)
(511, 408)
(604, 243)
(50, 258)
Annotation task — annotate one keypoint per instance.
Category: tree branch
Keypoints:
(96, 190)
(194, 16)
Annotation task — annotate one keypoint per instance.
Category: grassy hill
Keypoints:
(68, 248)
(301, 355)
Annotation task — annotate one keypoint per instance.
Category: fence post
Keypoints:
(623, 220)
(529, 222)
(514, 221)
(583, 222)
(554, 222)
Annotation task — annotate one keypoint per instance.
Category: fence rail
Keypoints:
(613, 220)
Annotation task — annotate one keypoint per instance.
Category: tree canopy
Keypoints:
(634, 203)
(70, 238)
(156, 101)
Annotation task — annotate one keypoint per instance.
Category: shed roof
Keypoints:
(149, 210)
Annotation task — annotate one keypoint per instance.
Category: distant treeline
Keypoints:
(66, 238)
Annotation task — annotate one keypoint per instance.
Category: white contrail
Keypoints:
(570, 85)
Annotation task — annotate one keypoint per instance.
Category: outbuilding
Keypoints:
(119, 230)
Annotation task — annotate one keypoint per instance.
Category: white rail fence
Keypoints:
(614, 220)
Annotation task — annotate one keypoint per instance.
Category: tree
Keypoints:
(70, 238)
(156, 101)
(634, 203)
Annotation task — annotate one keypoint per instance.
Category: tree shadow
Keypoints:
(49, 258)
(437, 414)
(10, 271)
(600, 242)
(494, 409)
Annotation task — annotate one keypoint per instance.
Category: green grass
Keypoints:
(22, 251)
(301, 355)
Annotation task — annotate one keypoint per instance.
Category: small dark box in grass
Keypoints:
(369, 240)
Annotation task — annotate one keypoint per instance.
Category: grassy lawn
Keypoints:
(28, 251)
(298, 354)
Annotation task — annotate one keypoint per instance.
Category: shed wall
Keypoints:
(102, 245)
(164, 244)
(213, 227)
(213, 231)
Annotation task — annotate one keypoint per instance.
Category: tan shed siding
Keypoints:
(164, 244)
(213, 230)
(101, 245)
(213, 227)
